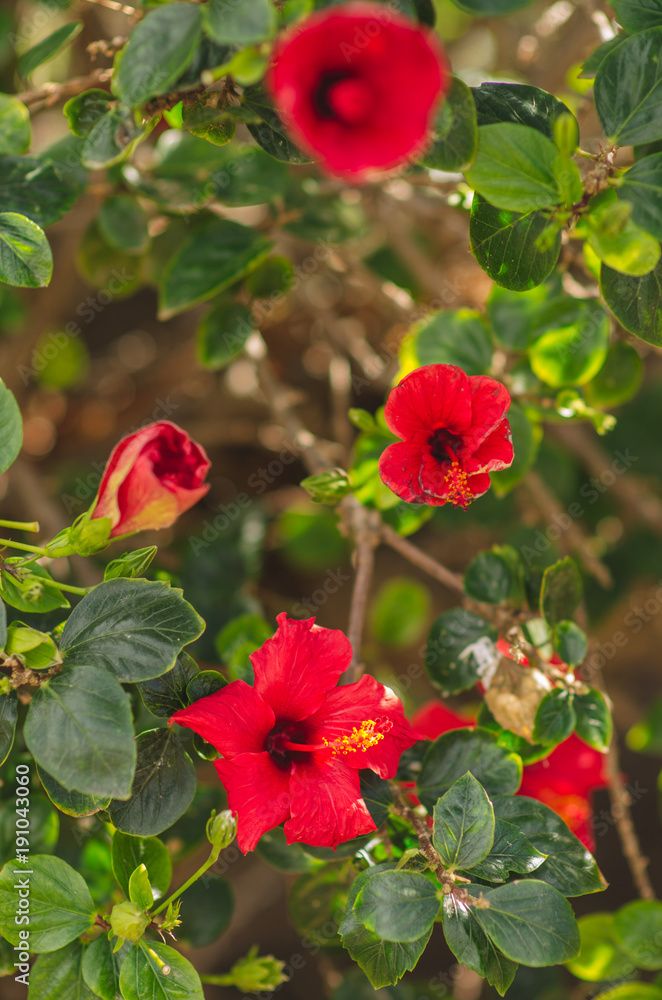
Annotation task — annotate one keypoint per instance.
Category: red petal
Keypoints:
(431, 397)
(326, 804)
(235, 720)
(258, 792)
(438, 481)
(434, 718)
(295, 668)
(490, 401)
(346, 708)
(496, 452)
(571, 768)
(399, 467)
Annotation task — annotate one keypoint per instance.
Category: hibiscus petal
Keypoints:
(431, 397)
(258, 792)
(326, 806)
(235, 720)
(399, 467)
(441, 483)
(490, 401)
(496, 452)
(295, 668)
(346, 708)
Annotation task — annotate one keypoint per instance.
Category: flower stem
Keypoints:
(211, 860)
(20, 525)
(219, 980)
(70, 589)
(23, 546)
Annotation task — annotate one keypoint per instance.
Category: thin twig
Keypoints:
(620, 804)
(420, 559)
(51, 93)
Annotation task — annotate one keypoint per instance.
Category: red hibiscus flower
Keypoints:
(293, 745)
(151, 478)
(563, 781)
(358, 86)
(454, 432)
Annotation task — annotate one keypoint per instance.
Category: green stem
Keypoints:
(222, 980)
(212, 859)
(23, 546)
(71, 589)
(20, 525)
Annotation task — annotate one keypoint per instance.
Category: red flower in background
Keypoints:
(151, 478)
(563, 781)
(358, 85)
(293, 745)
(454, 432)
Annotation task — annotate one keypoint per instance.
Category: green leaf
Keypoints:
(570, 643)
(85, 110)
(637, 15)
(15, 130)
(8, 716)
(463, 824)
(70, 802)
(616, 239)
(222, 333)
(377, 795)
(514, 315)
(140, 891)
(455, 138)
(163, 786)
(128, 853)
(166, 694)
(48, 48)
(518, 104)
(475, 750)
(510, 852)
(245, 175)
(573, 352)
(11, 434)
(37, 188)
(619, 378)
(101, 967)
(30, 589)
(134, 629)
(153, 971)
(471, 945)
(273, 849)
(555, 717)
(159, 49)
(244, 24)
(496, 576)
(633, 991)
(131, 564)
(457, 338)
(505, 244)
(636, 302)
(490, 7)
(638, 930)
(270, 133)
(58, 975)
(61, 907)
(594, 723)
(26, 260)
(79, 729)
(123, 224)
(561, 591)
(600, 958)
(628, 90)
(514, 168)
(461, 649)
(641, 186)
(531, 923)
(112, 138)
(317, 898)
(203, 684)
(397, 905)
(384, 962)
(238, 639)
(569, 867)
(400, 611)
(217, 255)
(206, 911)
(646, 736)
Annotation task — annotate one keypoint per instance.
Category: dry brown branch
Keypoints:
(51, 93)
(420, 559)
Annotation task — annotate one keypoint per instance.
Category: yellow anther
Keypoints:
(459, 493)
(363, 738)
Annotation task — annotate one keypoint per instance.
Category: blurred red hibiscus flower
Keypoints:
(294, 743)
(454, 431)
(563, 781)
(358, 85)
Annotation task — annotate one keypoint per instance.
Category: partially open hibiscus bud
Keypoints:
(454, 432)
(151, 478)
(358, 86)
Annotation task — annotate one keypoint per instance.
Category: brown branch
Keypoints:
(420, 559)
(51, 93)
(620, 804)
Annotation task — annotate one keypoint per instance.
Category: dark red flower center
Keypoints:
(444, 445)
(171, 462)
(286, 743)
(345, 98)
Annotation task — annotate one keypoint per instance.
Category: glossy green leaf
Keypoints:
(574, 352)
(140, 891)
(600, 958)
(245, 175)
(48, 48)
(317, 898)
(57, 975)
(638, 930)
(641, 186)
(123, 224)
(555, 717)
(495, 576)
(206, 911)
(455, 137)
(633, 991)
(637, 15)
(68, 801)
(159, 49)
(400, 611)
(26, 260)
(471, 945)
(217, 255)
(61, 907)
(31, 589)
(129, 852)
(616, 240)
(635, 302)
(273, 849)
(457, 338)
(569, 867)
(619, 378)
(514, 315)
(15, 130)
(570, 643)
(510, 852)
(101, 967)
(163, 786)
(461, 649)
(112, 138)
(240, 24)
(531, 922)
(154, 971)
(166, 694)
(519, 104)
(11, 431)
(222, 333)
(505, 244)
(461, 750)
(79, 729)
(270, 133)
(134, 629)
(8, 716)
(463, 829)
(628, 90)
(594, 722)
(397, 905)
(84, 110)
(561, 591)
(37, 188)
(514, 168)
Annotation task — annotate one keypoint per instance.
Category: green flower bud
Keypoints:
(221, 829)
(257, 972)
(129, 921)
